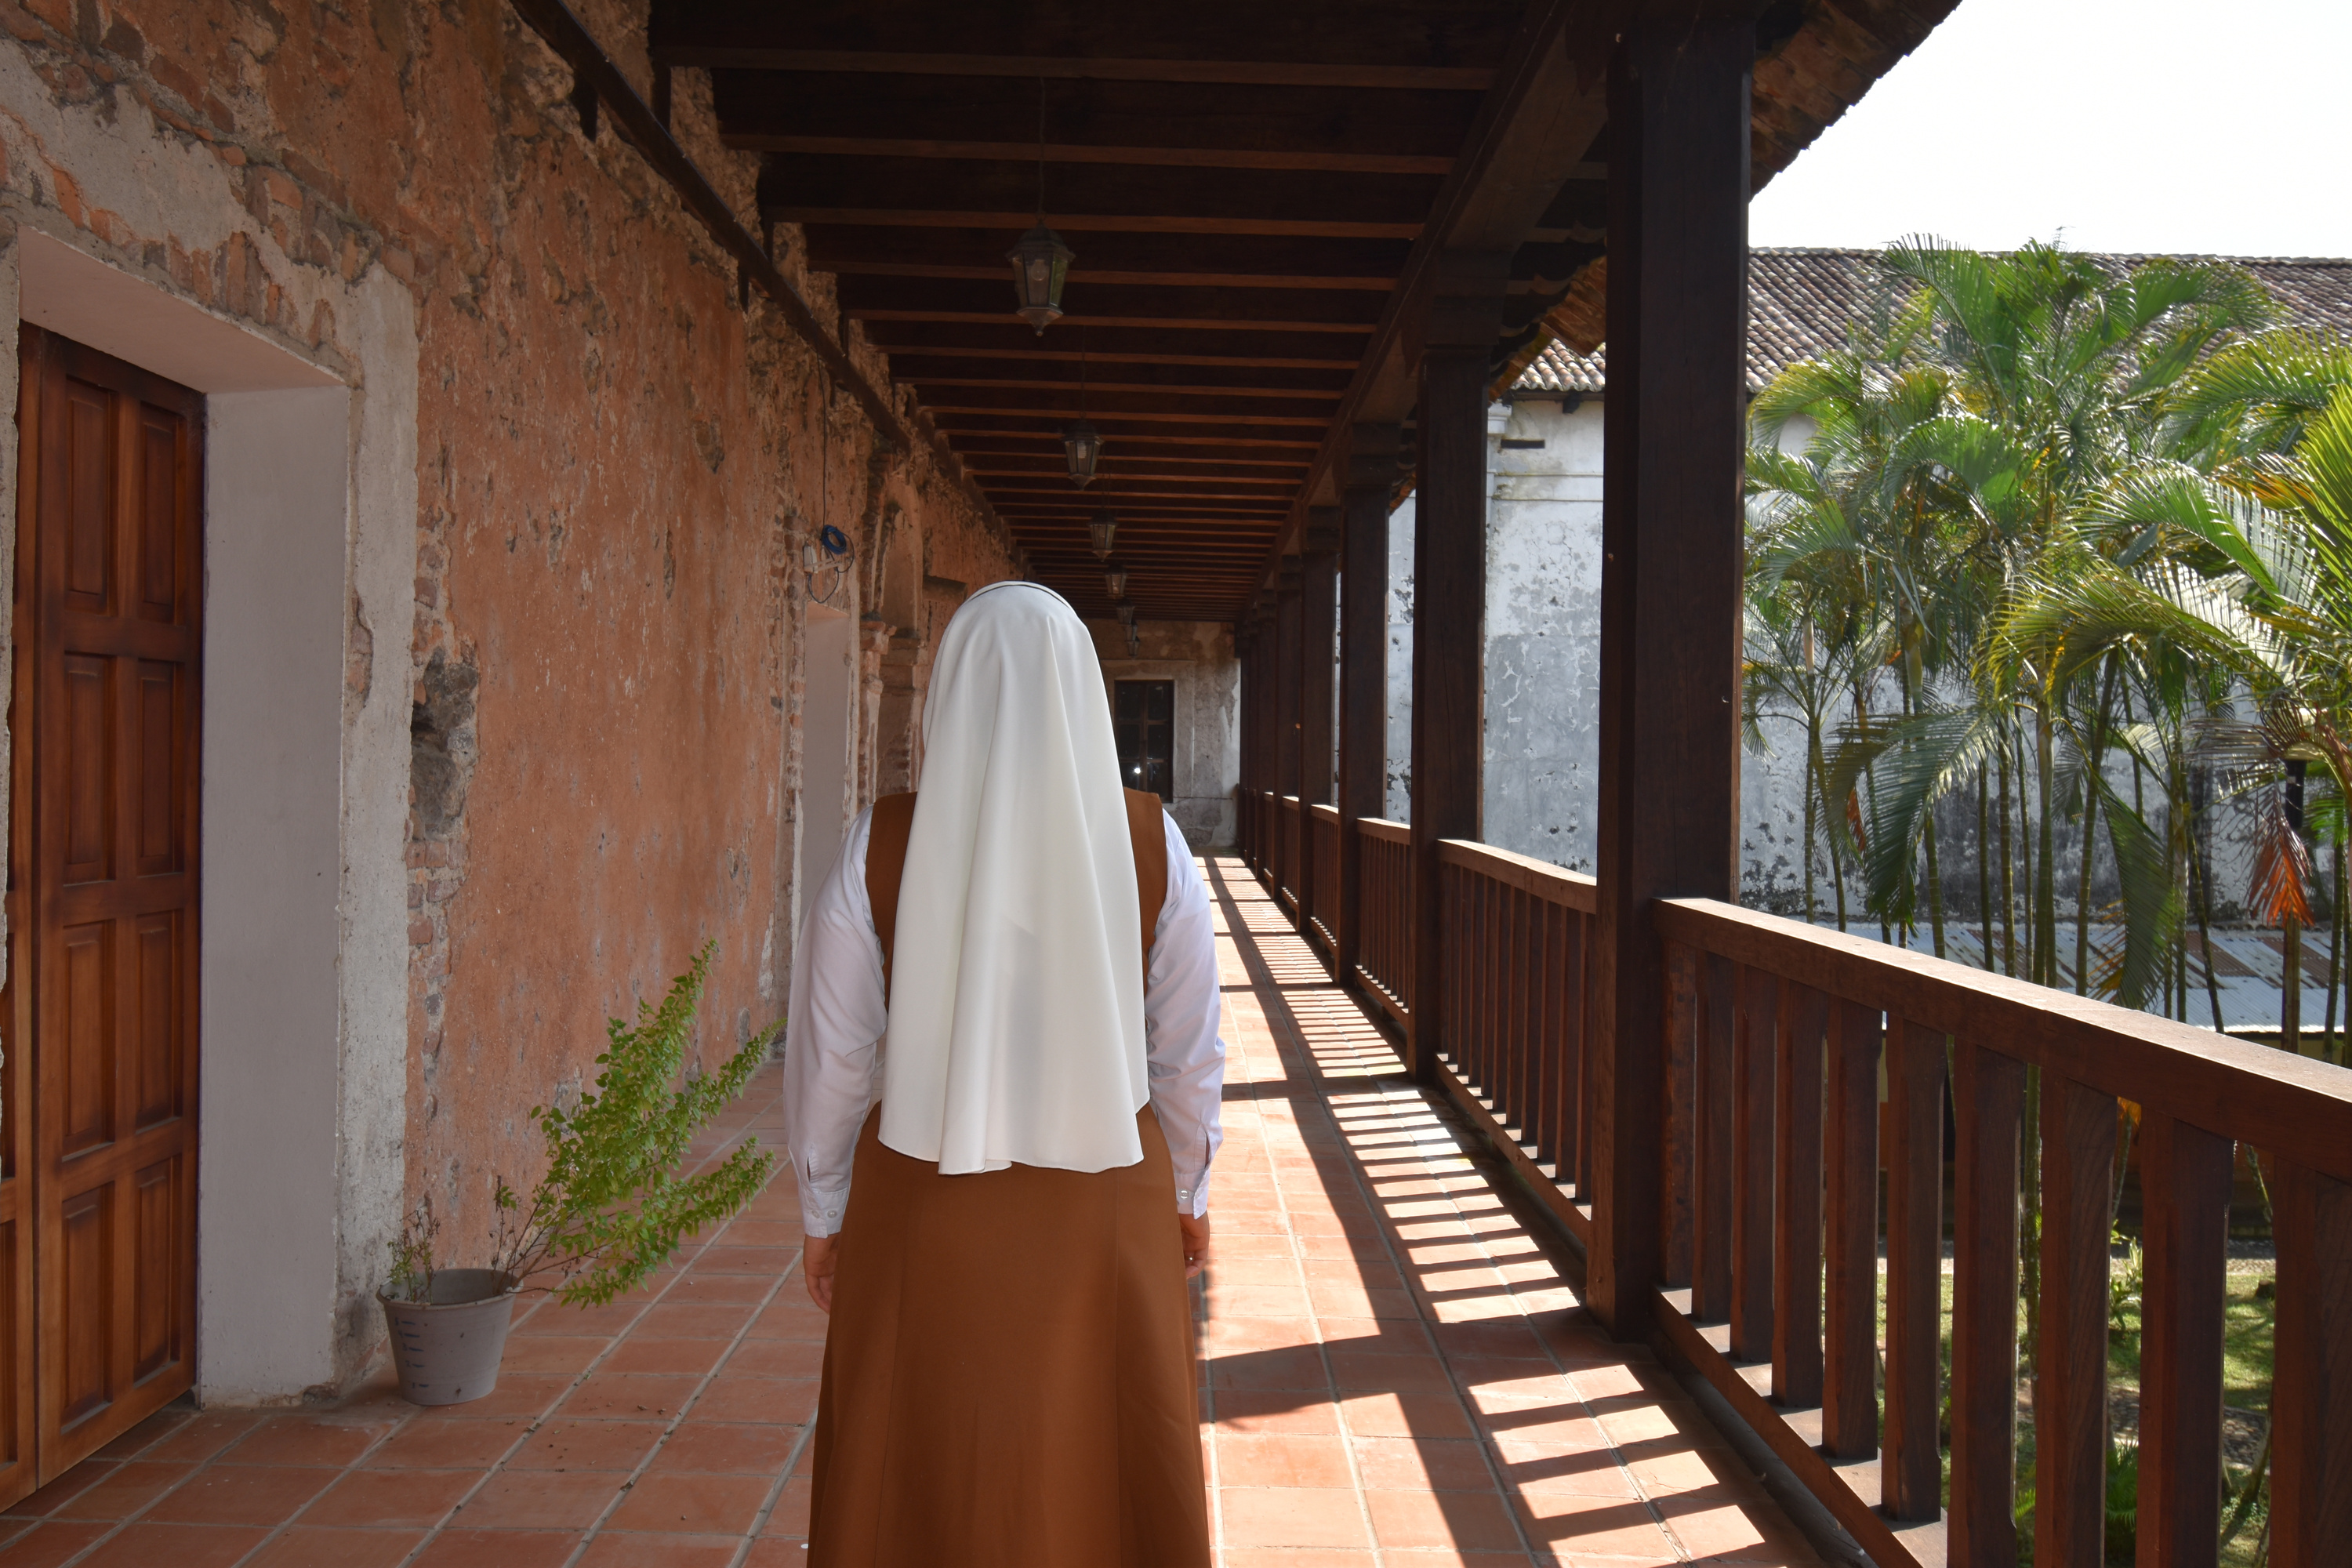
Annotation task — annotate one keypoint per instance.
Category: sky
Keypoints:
(2115, 125)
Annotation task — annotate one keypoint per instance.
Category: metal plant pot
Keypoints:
(447, 1348)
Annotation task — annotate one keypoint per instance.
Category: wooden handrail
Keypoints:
(1384, 830)
(1323, 813)
(2294, 1106)
(1524, 872)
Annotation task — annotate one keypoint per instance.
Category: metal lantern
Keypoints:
(1102, 529)
(1126, 612)
(1134, 643)
(1115, 581)
(1082, 444)
(1041, 264)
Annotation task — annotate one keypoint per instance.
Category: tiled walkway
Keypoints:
(1394, 1377)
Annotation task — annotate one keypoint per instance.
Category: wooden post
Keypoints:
(1363, 671)
(1318, 617)
(1285, 682)
(1245, 662)
(1449, 609)
(1670, 583)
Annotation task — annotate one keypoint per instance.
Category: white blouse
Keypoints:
(832, 1056)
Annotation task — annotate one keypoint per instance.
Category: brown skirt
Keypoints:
(1009, 1379)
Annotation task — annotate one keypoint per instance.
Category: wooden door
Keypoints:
(103, 887)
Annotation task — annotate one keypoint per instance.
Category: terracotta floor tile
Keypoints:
(498, 1549)
(697, 1321)
(777, 1358)
(165, 1422)
(1282, 1459)
(48, 1544)
(636, 1550)
(324, 1440)
(767, 1262)
(711, 1288)
(789, 1519)
(1288, 1366)
(692, 1504)
(1279, 1557)
(1733, 1522)
(302, 1547)
(651, 1352)
(65, 1488)
(1277, 1411)
(745, 1232)
(438, 1442)
(1599, 1527)
(519, 1393)
(203, 1436)
(1461, 1520)
(1227, 1336)
(1578, 1469)
(231, 1494)
(541, 1499)
(567, 1353)
(380, 1499)
(1408, 1414)
(727, 1448)
(791, 1315)
(1352, 1369)
(1423, 1464)
(563, 1444)
(1292, 1516)
(779, 1399)
(631, 1396)
(591, 1322)
(1258, 1301)
(150, 1545)
(784, 1552)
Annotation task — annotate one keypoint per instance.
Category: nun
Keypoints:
(1003, 1073)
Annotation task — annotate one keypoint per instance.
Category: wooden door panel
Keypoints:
(87, 739)
(81, 1311)
(104, 882)
(156, 1285)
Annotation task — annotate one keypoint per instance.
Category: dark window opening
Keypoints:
(1144, 712)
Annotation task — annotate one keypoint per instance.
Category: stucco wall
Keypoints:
(586, 654)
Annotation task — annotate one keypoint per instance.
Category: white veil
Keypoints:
(1016, 1003)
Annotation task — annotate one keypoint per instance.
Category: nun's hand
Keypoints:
(1196, 1243)
(817, 1263)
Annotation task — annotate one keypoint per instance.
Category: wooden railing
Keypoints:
(1384, 948)
(1285, 884)
(1514, 935)
(1323, 824)
(1777, 1034)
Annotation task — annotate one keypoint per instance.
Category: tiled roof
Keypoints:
(1799, 303)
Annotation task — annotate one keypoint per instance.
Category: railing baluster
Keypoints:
(1522, 961)
(1751, 1155)
(1711, 1146)
(1989, 1104)
(1850, 1313)
(2070, 1384)
(1911, 1481)
(1543, 1105)
(2311, 1399)
(1579, 1013)
(2185, 1184)
(1686, 1022)
(1797, 1199)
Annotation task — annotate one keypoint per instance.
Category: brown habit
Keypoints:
(1009, 1379)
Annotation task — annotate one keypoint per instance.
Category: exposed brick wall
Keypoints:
(618, 470)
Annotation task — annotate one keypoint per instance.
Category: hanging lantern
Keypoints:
(1041, 264)
(1102, 529)
(1082, 444)
(1126, 612)
(1134, 643)
(1115, 581)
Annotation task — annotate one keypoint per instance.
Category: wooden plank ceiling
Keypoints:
(1250, 190)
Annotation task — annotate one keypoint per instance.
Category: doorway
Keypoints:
(1144, 714)
(824, 747)
(97, 1110)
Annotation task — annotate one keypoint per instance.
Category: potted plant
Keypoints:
(612, 1207)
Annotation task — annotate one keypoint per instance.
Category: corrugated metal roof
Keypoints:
(1799, 303)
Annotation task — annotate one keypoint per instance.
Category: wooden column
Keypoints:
(1319, 604)
(1670, 583)
(1264, 719)
(1285, 682)
(1245, 662)
(1449, 608)
(1363, 669)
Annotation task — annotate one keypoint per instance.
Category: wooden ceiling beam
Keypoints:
(1120, 375)
(988, 467)
(1001, 193)
(1392, 44)
(1221, 260)
(1131, 435)
(1170, 408)
(1352, 311)
(1106, 351)
(1093, 121)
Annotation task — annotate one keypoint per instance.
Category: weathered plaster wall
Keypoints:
(589, 640)
(1198, 656)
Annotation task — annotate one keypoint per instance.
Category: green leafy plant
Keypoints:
(2126, 1281)
(612, 1206)
(412, 1254)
